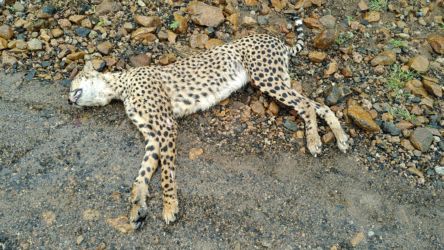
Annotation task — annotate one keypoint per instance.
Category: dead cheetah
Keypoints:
(154, 96)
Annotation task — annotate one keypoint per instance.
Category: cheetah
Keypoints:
(154, 96)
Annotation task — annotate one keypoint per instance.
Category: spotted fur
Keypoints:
(154, 96)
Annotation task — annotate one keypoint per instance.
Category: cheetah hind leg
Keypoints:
(341, 137)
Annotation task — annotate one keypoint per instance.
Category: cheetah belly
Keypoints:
(215, 94)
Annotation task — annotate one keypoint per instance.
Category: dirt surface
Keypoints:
(65, 171)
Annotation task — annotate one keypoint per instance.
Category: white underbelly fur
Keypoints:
(225, 90)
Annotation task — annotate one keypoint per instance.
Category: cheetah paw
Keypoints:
(138, 211)
(137, 215)
(342, 142)
(314, 145)
(170, 211)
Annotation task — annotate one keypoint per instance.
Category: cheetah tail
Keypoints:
(299, 30)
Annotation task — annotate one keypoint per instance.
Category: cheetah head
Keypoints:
(90, 88)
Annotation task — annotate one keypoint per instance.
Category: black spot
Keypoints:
(155, 156)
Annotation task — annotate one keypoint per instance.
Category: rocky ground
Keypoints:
(378, 64)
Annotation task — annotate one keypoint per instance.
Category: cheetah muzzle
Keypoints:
(154, 96)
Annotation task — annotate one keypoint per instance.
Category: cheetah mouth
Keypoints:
(74, 96)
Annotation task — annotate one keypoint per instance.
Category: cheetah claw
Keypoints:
(137, 215)
(314, 145)
(343, 143)
(170, 212)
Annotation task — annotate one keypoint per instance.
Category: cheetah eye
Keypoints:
(77, 93)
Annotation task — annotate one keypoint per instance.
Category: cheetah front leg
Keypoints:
(140, 188)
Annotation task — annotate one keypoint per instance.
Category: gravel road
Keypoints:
(65, 171)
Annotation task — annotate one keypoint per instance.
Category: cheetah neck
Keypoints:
(116, 83)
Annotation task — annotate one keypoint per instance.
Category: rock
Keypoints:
(415, 171)
(437, 43)
(6, 32)
(198, 40)
(20, 44)
(82, 32)
(148, 21)
(290, 125)
(195, 153)
(328, 138)
(273, 108)
(390, 128)
(415, 86)
(204, 14)
(421, 139)
(372, 16)
(427, 101)
(76, 18)
(328, 21)
(311, 23)
(121, 223)
(98, 64)
(167, 59)
(105, 47)
(91, 215)
(251, 2)
(419, 63)
(182, 23)
(406, 144)
(318, 3)
(35, 44)
(387, 57)
(7, 58)
(79, 239)
(257, 107)
(357, 239)
(56, 33)
(64, 23)
(3, 43)
(262, 20)
(249, 20)
(18, 7)
(107, 6)
(171, 36)
(143, 35)
(331, 68)
(404, 125)
(363, 6)
(362, 118)
(439, 170)
(140, 60)
(234, 20)
(317, 56)
(213, 42)
(335, 94)
(129, 26)
(48, 10)
(76, 56)
(279, 4)
(432, 86)
(325, 39)
(346, 72)
(48, 217)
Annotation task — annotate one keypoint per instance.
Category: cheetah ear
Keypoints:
(88, 67)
